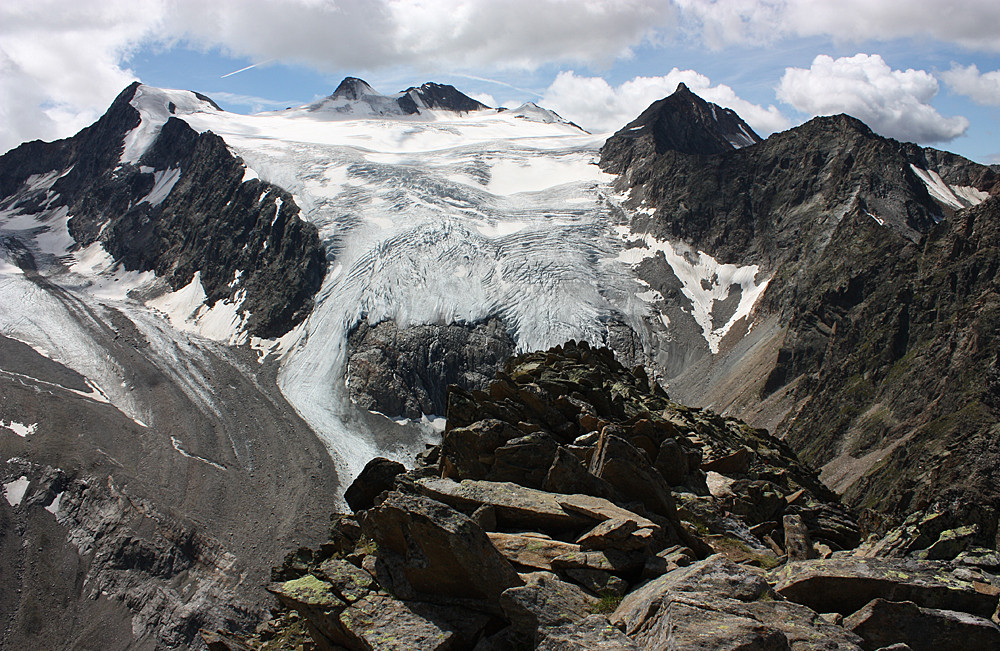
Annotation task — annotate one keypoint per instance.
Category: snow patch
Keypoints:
(14, 490)
(956, 197)
(177, 446)
(703, 279)
(20, 429)
(53, 508)
(164, 181)
(186, 310)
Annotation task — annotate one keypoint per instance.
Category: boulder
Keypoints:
(524, 460)
(350, 583)
(627, 469)
(516, 507)
(845, 584)
(381, 622)
(376, 477)
(798, 546)
(467, 452)
(429, 551)
(568, 474)
(883, 622)
(532, 551)
(716, 604)
(617, 533)
(545, 601)
(608, 560)
(593, 633)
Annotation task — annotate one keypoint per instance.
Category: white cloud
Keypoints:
(61, 62)
(980, 88)
(485, 98)
(894, 103)
(368, 34)
(971, 23)
(595, 105)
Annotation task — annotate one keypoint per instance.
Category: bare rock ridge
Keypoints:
(573, 505)
(881, 261)
(411, 101)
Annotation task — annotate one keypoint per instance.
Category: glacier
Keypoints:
(432, 218)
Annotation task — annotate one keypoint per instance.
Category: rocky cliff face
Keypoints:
(573, 505)
(184, 207)
(865, 351)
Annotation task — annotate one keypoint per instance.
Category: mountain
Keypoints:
(212, 322)
(871, 348)
(355, 97)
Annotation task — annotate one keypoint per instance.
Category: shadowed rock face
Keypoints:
(406, 372)
(877, 352)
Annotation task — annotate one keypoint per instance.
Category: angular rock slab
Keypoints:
(593, 633)
(531, 551)
(882, 623)
(545, 601)
(516, 507)
(430, 552)
(844, 585)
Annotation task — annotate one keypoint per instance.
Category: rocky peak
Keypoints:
(352, 88)
(438, 96)
(681, 122)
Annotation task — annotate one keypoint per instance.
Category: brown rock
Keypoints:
(593, 633)
(731, 464)
(516, 507)
(467, 452)
(623, 466)
(798, 545)
(545, 601)
(431, 552)
(531, 551)
(568, 474)
(715, 604)
(599, 582)
(845, 584)
(617, 533)
(524, 460)
(882, 623)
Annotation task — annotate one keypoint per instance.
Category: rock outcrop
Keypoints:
(492, 542)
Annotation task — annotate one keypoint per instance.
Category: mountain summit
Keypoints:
(682, 122)
(356, 97)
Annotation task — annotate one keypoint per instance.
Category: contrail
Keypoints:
(498, 82)
(252, 65)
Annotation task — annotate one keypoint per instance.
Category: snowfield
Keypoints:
(432, 218)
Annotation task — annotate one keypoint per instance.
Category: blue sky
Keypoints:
(912, 70)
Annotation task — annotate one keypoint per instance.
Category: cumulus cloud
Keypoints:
(597, 106)
(62, 61)
(721, 22)
(980, 88)
(894, 103)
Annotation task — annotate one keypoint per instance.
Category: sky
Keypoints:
(926, 71)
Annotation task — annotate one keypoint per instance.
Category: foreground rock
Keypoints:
(526, 527)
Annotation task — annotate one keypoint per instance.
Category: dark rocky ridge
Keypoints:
(516, 533)
(873, 344)
(211, 221)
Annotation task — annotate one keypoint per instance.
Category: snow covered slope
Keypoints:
(435, 217)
